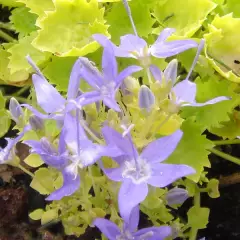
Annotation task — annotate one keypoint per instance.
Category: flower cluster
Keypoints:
(78, 146)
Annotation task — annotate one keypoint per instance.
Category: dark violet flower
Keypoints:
(136, 171)
(49, 99)
(132, 46)
(7, 154)
(75, 151)
(129, 229)
(146, 98)
(176, 196)
(107, 83)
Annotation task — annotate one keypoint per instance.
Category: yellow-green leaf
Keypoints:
(34, 160)
(36, 214)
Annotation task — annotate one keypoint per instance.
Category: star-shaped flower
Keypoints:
(136, 171)
(129, 229)
(107, 83)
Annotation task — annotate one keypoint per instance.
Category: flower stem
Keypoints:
(226, 142)
(225, 156)
(6, 36)
(7, 26)
(149, 76)
(25, 170)
(21, 91)
(20, 99)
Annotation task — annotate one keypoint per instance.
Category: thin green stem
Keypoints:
(7, 26)
(25, 170)
(6, 36)
(149, 76)
(21, 91)
(225, 156)
(226, 142)
(20, 99)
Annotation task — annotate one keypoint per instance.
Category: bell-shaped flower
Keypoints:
(7, 154)
(132, 46)
(49, 99)
(136, 170)
(146, 98)
(107, 83)
(129, 229)
(177, 196)
(36, 123)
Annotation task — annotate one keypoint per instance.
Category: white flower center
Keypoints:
(144, 57)
(138, 174)
(108, 89)
(126, 235)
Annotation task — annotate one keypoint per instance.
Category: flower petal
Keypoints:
(170, 73)
(156, 72)
(125, 73)
(74, 81)
(155, 233)
(162, 148)
(36, 112)
(165, 174)
(48, 97)
(88, 98)
(134, 219)
(90, 73)
(112, 137)
(212, 101)
(168, 49)
(164, 34)
(130, 43)
(108, 228)
(129, 196)
(185, 91)
(115, 174)
(70, 185)
(111, 103)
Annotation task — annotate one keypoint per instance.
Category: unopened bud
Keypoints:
(170, 73)
(36, 123)
(176, 196)
(130, 84)
(16, 111)
(146, 98)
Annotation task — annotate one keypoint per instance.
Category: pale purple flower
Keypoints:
(132, 46)
(146, 98)
(36, 123)
(105, 84)
(16, 111)
(136, 171)
(129, 230)
(75, 151)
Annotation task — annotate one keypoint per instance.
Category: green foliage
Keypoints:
(4, 116)
(201, 220)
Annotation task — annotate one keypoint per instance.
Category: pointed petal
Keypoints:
(134, 219)
(130, 43)
(130, 195)
(165, 174)
(170, 73)
(168, 49)
(212, 101)
(111, 103)
(164, 34)
(108, 228)
(36, 112)
(74, 81)
(185, 91)
(125, 73)
(90, 73)
(113, 137)
(160, 149)
(48, 97)
(156, 72)
(102, 39)
(70, 185)
(115, 174)
(88, 98)
(155, 233)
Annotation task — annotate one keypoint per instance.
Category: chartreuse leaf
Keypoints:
(196, 144)
(58, 71)
(119, 22)
(36, 214)
(71, 25)
(10, 3)
(5, 75)
(49, 215)
(185, 16)
(2, 101)
(33, 160)
(222, 48)
(23, 21)
(232, 6)
(5, 122)
(19, 52)
(212, 186)
(198, 217)
(39, 9)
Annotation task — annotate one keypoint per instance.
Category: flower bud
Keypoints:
(130, 84)
(36, 123)
(146, 98)
(16, 111)
(176, 196)
(170, 73)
